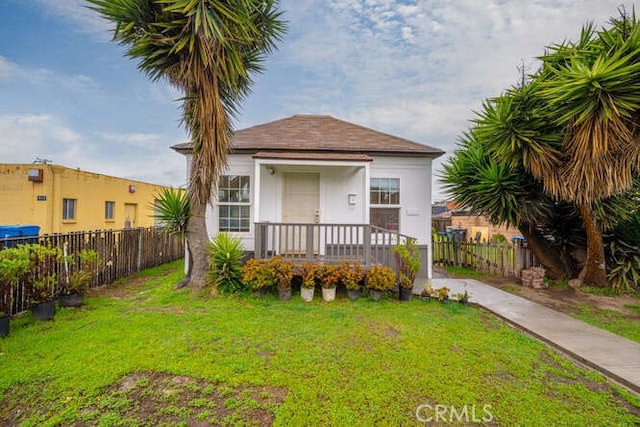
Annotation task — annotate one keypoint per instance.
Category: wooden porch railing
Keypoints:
(326, 242)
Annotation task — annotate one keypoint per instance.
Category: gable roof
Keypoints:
(316, 133)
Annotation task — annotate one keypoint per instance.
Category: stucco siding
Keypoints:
(41, 203)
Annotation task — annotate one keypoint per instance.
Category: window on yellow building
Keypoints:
(69, 209)
(109, 210)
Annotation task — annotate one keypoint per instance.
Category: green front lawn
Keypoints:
(143, 353)
(612, 321)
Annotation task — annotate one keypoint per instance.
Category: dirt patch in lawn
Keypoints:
(153, 398)
(157, 398)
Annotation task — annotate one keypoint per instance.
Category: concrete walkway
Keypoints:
(614, 356)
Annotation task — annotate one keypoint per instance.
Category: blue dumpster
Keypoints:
(12, 235)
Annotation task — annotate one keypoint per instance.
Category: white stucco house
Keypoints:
(313, 186)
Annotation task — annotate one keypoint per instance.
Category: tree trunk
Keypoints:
(185, 280)
(594, 270)
(198, 241)
(548, 255)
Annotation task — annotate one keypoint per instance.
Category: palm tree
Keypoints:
(208, 49)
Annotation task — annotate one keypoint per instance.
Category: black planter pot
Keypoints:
(4, 326)
(284, 294)
(72, 300)
(406, 294)
(375, 295)
(464, 301)
(45, 310)
(260, 293)
(353, 294)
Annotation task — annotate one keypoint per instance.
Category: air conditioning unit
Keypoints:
(35, 175)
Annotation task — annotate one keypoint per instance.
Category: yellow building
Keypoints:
(60, 199)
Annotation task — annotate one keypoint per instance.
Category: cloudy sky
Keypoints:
(413, 68)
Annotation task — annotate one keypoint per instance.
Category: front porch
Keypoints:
(331, 243)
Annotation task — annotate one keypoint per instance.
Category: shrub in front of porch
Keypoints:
(257, 276)
(225, 263)
(308, 273)
(379, 278)
(352, 277)
(282, 272)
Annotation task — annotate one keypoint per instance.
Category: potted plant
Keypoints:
(379, 278)
(80, 271)
(462, 297)
(408, 262)
(308, 272)
(282, 271)
(442, 294)
(41, 283)
(352, 277)
(14, 263)
(426, 293)
(257, 276)
(329, 276)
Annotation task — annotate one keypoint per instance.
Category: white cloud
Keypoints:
(7, 68)
(34, 135)
(131, 139)
(77, 12)
(139, 156)
(418, 68)
(413, 68)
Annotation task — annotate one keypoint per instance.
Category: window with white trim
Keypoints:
(234, 203)
(384, 197)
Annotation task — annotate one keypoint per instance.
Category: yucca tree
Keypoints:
(506, 194)
(592, 90)
(574, 126)
(171, 209)
(208, 49)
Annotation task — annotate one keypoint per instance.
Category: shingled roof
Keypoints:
(316, 133)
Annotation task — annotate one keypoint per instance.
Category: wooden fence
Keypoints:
(122, 253)
(506, 258)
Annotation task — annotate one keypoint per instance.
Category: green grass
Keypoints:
(466, 272)
(612, 321)
(222, 360)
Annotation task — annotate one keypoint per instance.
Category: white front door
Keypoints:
(301, 202)
(300, 205)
